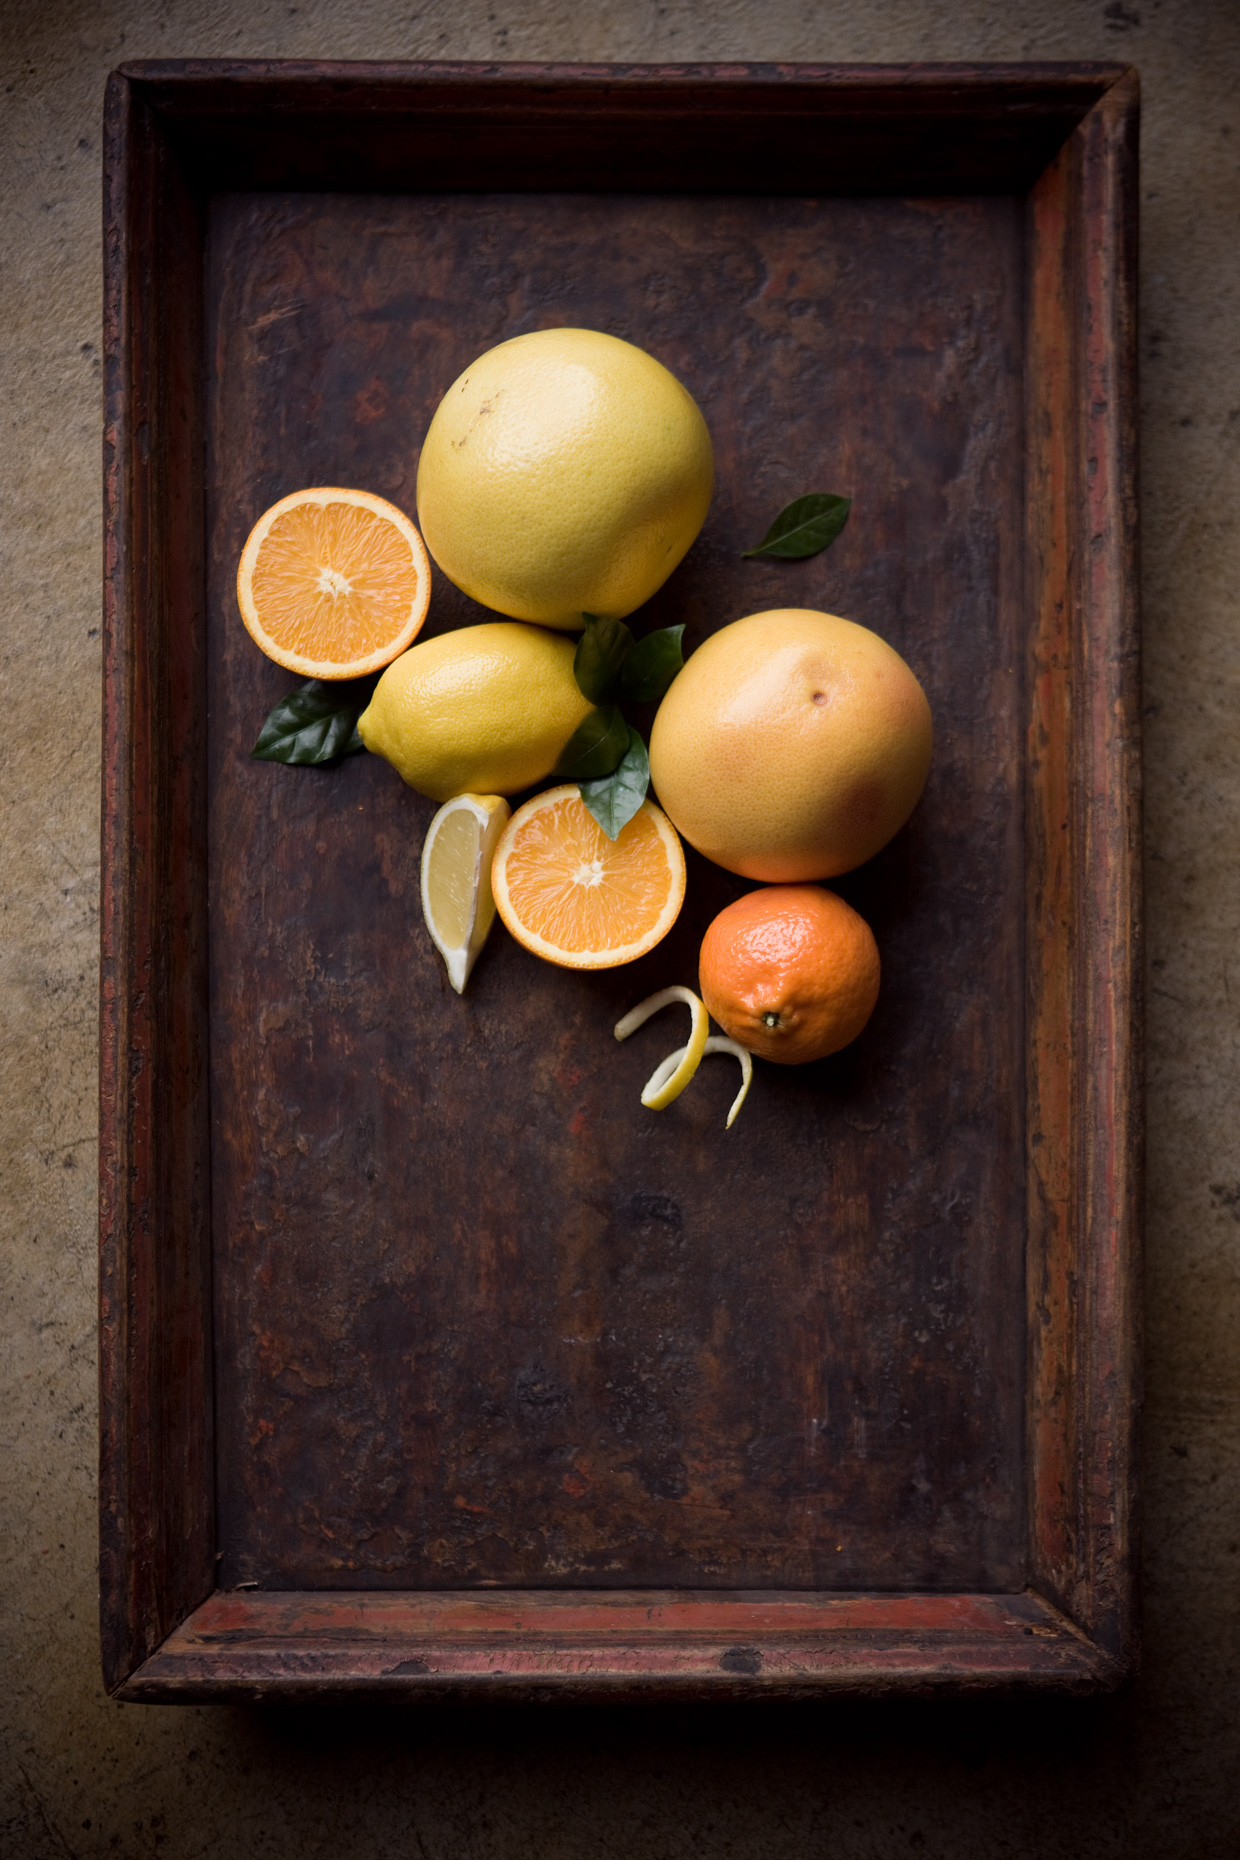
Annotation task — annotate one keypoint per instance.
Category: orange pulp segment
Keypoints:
(333, 583)
(571, 895)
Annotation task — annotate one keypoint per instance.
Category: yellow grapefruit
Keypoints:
(565, 472)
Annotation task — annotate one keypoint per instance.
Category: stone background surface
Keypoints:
(1150, 1772)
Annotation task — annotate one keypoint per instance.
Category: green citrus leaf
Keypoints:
(615, 798)
(601, 651)
(652, 665)
(315, 724)
(595, 746)
(805, 527)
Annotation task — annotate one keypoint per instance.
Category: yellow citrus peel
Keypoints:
(668, 1084)
(717, 1043)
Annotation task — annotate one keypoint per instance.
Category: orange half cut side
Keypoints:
(571, 895)
(333, 583)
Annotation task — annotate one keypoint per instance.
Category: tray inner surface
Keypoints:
(480, 1319)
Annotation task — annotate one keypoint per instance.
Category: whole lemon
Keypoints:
(792, 746)
(484, 710)
(565, 472)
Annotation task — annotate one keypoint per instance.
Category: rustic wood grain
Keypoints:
(157, 1550)
(1084, 865)
(757, 129)
(1111, 1074)
(484, 1324)
(532, 1645)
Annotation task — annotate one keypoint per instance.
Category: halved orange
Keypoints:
(333, 583)
(572, 896)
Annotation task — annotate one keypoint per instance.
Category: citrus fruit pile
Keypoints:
(564, 476)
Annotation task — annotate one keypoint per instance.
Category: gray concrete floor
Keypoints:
(1151, 1772)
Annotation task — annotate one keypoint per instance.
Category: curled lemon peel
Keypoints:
(717, 1043)
(666, 1084)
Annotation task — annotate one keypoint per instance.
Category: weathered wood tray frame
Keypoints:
(1064, 138)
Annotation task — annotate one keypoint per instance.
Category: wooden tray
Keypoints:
(431, 1362)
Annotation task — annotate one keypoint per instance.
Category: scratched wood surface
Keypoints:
(482, 1320)
(658, 1643)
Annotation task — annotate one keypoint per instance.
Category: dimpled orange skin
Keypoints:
(790, 972)
(792, 746)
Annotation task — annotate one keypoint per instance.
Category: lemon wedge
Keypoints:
(665, 1085)
(717, 1043)
(456, 878)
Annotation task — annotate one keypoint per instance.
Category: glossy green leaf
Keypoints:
(595, 746)
(601, 652)
(615, 798)
(652, 665)
(315, 724)
(805, 527)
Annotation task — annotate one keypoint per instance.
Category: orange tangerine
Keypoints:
(572, 896)
(333, 583)
(791, 972)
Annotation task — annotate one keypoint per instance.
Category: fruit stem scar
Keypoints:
(771, 1019)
